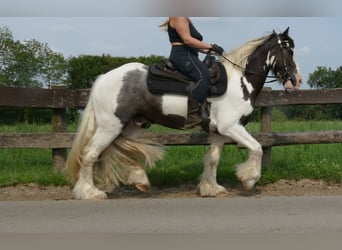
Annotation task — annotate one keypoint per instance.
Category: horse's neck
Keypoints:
(257, 68)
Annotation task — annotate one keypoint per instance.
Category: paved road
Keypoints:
(311, 214)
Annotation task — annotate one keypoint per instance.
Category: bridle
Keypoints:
(287, 75)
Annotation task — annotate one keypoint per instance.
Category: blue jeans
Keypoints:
(186, 60)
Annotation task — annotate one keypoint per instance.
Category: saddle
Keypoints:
(163, 78)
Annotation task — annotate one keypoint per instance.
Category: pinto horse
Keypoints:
(109, 146)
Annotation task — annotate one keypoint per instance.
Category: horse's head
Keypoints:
(284, 65)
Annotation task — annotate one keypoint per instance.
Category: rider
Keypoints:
(186, 42)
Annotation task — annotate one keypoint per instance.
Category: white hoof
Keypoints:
(143, 187)
(99, 195)
(211, 190)
(248, 177)
(139, 179)
(88, 193)
(249, 184)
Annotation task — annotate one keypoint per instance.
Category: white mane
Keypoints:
(239, 55)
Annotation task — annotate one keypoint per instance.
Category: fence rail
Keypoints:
(59, 99)
(64, 140)
(77, 98)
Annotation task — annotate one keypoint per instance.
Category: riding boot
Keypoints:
(205, 114)
(198, 114)
(194, 115)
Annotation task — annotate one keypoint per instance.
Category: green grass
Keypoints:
(323, 162)
(183, 164)
(18, 166)
(28, 166)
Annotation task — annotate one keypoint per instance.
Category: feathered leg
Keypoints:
(208, 185)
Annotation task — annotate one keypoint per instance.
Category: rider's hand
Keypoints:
(218, 49)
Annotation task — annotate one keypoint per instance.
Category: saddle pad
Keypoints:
(161, 81)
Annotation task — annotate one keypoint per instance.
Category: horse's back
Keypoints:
(108, 87)
(129, 66)
(119, 72)
(114, 79)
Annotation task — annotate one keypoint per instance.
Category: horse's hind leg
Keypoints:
(137, 175)
(248, 172)
(84, 187)
(138, 178)
(208, 186)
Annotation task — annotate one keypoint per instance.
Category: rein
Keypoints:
(250, 72)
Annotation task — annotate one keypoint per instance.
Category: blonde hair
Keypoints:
(163, 26)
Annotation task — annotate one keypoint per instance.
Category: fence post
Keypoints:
(59, 125)
(266, 126)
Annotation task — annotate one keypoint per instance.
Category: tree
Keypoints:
(84, 69)
(324, 77)
(29, 63)
(6, 44)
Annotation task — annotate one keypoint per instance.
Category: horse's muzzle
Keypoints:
(292, 82)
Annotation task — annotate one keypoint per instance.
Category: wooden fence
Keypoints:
(60, 99)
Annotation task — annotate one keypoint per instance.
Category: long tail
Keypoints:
(85, 132)
(124, 155)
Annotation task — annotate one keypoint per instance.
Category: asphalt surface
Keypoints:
(305, 214)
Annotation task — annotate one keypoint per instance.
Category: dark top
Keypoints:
(174, 37)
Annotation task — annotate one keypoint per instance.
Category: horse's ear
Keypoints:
(286, 32)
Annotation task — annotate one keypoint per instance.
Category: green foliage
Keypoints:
(29, 63)
(313, 112)
(83, 70)
(14, 115)
(321, 78)
(324, 78)
(278, 115)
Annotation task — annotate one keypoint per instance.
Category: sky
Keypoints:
(85, 31)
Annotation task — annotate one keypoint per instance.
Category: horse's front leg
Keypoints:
(248, 172)
(208, 186)
(84, 187)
